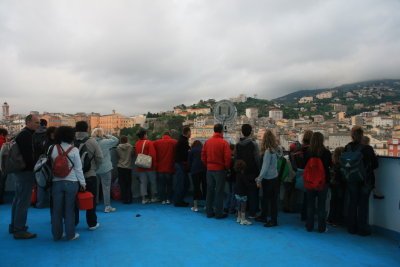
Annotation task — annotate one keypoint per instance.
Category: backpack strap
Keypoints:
(144, 143)
(59, 148)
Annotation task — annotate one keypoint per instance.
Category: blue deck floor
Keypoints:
(169, 236)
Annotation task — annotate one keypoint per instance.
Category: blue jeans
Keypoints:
(215, 192)
(182, 183)
(42, 198)
(230, 202)
(165, 185)
(64, 197)
(24, 182)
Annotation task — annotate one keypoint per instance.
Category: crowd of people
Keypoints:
(243, 179)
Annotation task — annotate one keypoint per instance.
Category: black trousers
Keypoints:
(253, 199)
(289, 199)
(199, 186)
(336, 206)
(320, 196)
(271, 189)
(357, 220)
(3, 179)
(91, 217)
(125, 182)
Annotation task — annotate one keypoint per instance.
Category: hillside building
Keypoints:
(306, 99)
(252, 113)
(276, 114)
(393, 147)
(324, 95)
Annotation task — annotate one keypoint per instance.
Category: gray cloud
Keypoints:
(139, 56)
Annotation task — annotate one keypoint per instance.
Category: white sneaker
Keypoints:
(75, 237)
(94, 227)
(154, 200)
(245, 222)
(167, 202)
(163, 202)
(194, 209)
(238, 219)
(145, 201)
(109, 209)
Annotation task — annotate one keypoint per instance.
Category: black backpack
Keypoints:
(86, 158)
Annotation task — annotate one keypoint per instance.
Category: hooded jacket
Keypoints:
(248, 151)
(94, 151)
(165, 150)
(216, 153)
(125, 156)
(106, 144)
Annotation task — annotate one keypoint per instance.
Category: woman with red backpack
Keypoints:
(316, 177)
(68, 179)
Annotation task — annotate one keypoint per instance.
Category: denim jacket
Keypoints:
(269, 168)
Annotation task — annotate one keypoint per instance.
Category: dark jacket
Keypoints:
(182, 150)
(369, 159)
(248, 151)
(195, 164)
(326, 159)
(24, 140)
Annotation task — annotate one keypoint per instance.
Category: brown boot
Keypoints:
(24, 235)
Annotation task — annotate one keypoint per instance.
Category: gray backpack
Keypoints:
(11, 158)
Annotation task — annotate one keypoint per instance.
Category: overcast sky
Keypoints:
(150, 55)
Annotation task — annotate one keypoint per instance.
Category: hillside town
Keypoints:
(381, 121)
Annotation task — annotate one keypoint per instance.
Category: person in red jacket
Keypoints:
(216, 156)
(165, 150)
(3, 176)
(145, 146)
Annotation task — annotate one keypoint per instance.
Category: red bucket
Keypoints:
(85, 200)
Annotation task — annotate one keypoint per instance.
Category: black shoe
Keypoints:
(261, 219)
(351, 231)
(181, 204)
(223, 216)
(364, 233)
(270, 224)
(378, 196)
(210, 215)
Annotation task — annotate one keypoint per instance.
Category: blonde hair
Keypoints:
(98, 132)
(269, 142)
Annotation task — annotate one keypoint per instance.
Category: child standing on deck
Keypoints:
(242, 188)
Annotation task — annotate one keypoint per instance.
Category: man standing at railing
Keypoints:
(24, 181)
(359, 190)
(216, 156)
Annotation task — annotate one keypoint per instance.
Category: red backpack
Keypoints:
(314, 174)
(61, 168)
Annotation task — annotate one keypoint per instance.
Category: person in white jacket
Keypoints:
(65, 189)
